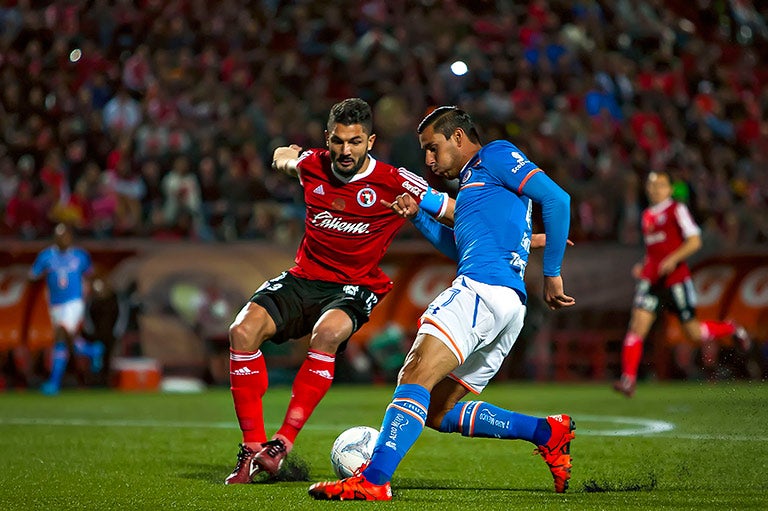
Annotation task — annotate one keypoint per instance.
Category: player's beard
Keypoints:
(354, 169)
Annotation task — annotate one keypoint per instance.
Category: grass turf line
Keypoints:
(105, 450)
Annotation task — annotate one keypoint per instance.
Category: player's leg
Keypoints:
(475, 418)
(683, 301)
(646, 302)
(87, 356)
(248, 384)
(312, 382)
(342, 310)
(454, 325)
(428, 361)
(708, 331)
(59, 361)
(481, 419)
(64, 322)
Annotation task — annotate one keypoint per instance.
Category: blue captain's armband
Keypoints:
(435, 203)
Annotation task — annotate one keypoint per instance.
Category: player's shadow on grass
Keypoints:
(595, 486)
(649, 483)
(294, 469)
(208, 472)
(442, 484)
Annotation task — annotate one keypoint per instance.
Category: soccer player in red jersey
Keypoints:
(671, 236)
(330, 292)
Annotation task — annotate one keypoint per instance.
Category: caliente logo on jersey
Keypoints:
(326, 220)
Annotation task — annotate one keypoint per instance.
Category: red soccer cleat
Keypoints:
(625, 386)
(356, 487)
(271, 456)
(557, 452)
(245, 468)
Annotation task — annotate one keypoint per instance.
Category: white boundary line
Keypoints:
(642, 427)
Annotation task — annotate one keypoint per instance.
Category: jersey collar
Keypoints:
(661, 206)
(469, 163)
(360, 175)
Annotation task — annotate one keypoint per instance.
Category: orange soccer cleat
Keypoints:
(356, 487)
(557, 451)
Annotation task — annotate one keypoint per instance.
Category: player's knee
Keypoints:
(327, 340)
(328, 334)
(415, 373)
(244, 337)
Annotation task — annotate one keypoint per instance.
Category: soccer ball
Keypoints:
(351, 449)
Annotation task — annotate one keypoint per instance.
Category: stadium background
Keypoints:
(150, 126)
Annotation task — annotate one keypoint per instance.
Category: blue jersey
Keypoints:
(63, 271)
(492, 218)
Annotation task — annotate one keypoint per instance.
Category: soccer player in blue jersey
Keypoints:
(65, 269)
(468, 330)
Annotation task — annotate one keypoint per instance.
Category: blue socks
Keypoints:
(94, 351)
(402, 424)
(484, 420)
(58, 367)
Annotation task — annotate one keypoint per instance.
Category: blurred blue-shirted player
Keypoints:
(468, 330)
(65, 268)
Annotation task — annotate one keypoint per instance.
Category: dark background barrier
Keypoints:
(173, 302)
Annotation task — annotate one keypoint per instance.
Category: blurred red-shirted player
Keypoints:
(671, 236)
(333, 287)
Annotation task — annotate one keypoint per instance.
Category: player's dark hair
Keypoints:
(351, 111)
(446, 119)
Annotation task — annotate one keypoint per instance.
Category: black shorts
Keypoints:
(295, 304)
(680, 297)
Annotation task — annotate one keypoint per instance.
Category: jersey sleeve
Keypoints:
(86, 265)
(304, 157)
(685, 220)
(412, 183)
(436, 233)
(39, 266)
(556, 213)
(509, 164)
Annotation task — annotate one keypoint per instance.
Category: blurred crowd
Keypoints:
(158, 118)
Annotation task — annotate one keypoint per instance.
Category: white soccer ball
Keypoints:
(351, 449)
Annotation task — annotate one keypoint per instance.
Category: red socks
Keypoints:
(711, 330)
(248, 383)
(310, 385)
(631, 354)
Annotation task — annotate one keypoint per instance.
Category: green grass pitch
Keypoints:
(673, 446)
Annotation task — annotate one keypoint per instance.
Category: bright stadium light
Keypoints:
(459, 68)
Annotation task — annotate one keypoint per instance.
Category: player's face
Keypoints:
(658, 188)
(62, 237)
(349, 146)
(442, 155)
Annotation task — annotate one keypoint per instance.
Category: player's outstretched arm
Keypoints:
(438, 234)
(286, 159)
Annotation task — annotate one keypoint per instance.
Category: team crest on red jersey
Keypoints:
(366, 197)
